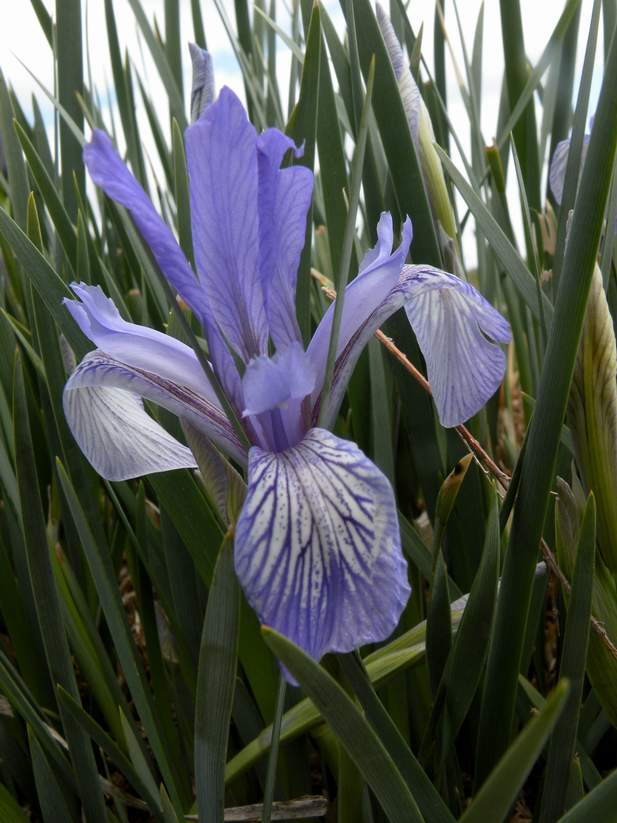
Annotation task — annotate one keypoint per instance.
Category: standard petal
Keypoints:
(455, 327)
(102, 404)
(284, 200)
(221, 153)
(379, 274)
(317, 546)
(135, 345)
(109, 173)
(202, 87)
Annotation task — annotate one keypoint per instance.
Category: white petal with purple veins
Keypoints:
(103, 407)
(317, 546)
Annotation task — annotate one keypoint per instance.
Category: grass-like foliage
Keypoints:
(136, 682)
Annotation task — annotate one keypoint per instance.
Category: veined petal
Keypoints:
(559, 164)
(221, 153)
(276, 397)
(379, 274)
(317, 546)
(103, 407)
(284, 201)
(455, 327)
(109, 173)
(147, 349)
(557, 171)
(202, 87)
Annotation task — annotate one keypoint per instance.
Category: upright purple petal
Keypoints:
(109, 173)
(317, 546)
(221, 153)
(379, 274)
(135, 345)
(284, 201)
(104, 410)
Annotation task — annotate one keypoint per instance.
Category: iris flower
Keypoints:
(317, 544)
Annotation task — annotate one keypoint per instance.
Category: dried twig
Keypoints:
(305, 808)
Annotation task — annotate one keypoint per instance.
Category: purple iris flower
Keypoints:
(559, 163)
(317, 543)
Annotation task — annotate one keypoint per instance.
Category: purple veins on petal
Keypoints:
(139, 346)
(276, 392)
(104, 410)
(284, 200)
(317, 546)
(458, 332)
(221, 153)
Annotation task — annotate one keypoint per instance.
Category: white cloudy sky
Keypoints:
(22, 40)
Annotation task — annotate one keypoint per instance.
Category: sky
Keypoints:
(21, 39)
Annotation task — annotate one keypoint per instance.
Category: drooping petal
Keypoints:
(284, 201)
(221, 153)
(202, 87)
(379, 274)
(111, 175)
(455, 327)
(147, 349)
(317, 546)
(103, 407)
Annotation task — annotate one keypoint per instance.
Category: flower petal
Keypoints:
(202, 88)
(455, 327)
(135, 345)
(276, 397)
(104, 411)
(111, 175)
(317, 547)
(221, 153)
(284, 200)
(557, 171)
(379, 274)
(453, 324)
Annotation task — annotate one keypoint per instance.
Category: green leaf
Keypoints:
(10, 810)
(395, 134)
(103, 575)
(545, 429)
(50, 794)
(356, 736)
(573, 661)
(215, 686)
(302, 127)
(503, 784)
(599, 804)
(69, 65)
(46, 599)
